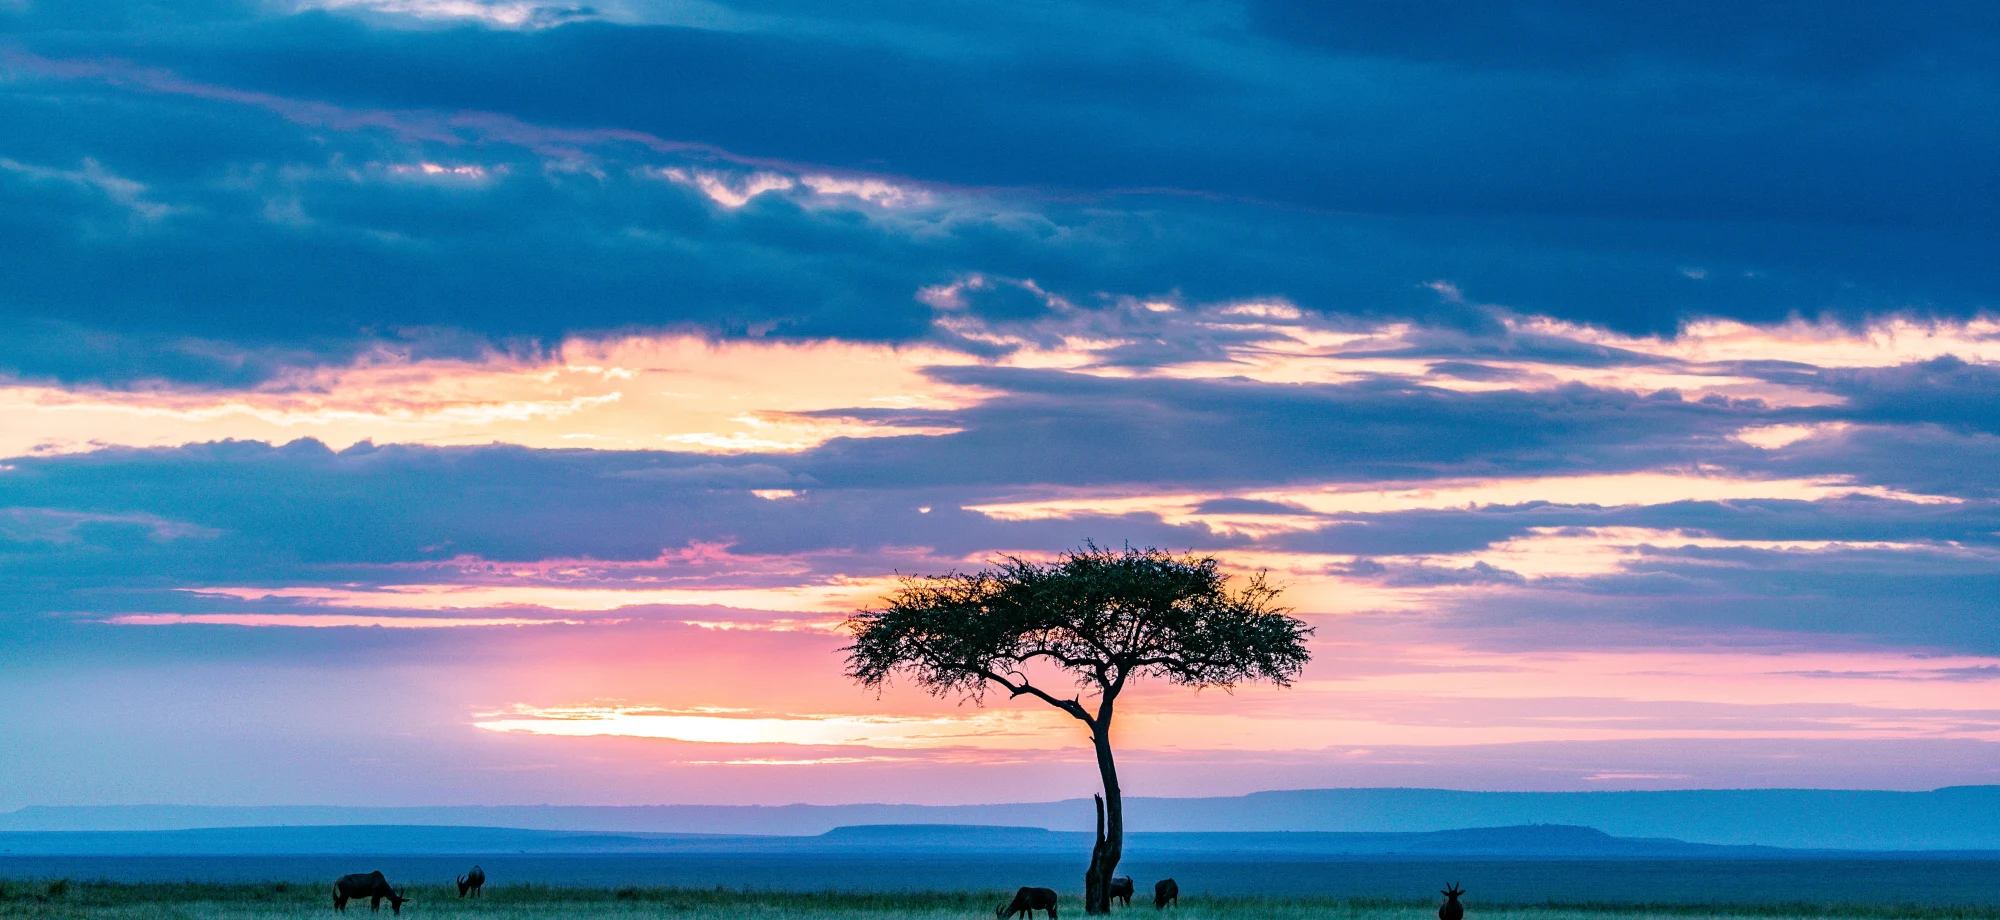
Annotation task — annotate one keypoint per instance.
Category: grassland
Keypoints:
(40, 899)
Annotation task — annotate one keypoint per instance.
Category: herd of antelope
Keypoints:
(1166, 891)
(376, 889)
(1028, 900)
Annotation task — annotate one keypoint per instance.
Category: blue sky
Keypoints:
(1615, 387)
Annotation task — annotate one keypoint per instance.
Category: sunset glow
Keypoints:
(1005, 730)
(411, 401)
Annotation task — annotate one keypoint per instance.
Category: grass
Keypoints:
(61, 899)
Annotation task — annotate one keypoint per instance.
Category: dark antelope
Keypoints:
(1165, 891)
(1451, 909)
(1027, 901)
(371, 886)
(1121, 890)
(471, 882)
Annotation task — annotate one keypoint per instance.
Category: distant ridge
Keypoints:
(1528, 842)
(1953, 818)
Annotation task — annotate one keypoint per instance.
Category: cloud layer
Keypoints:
(1614, 391)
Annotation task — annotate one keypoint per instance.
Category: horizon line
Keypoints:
(1816, 789)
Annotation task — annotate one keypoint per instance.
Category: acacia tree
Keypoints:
(1095, 618)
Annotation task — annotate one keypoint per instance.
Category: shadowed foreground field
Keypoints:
(1701, 882)
(58, 899)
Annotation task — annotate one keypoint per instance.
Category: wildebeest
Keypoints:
(1451, 909)
(371, 886)
(471, 882)
(1121, 889)
(1027, 901)
(1164, 891)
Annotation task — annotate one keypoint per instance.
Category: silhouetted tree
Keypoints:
(1096, 618)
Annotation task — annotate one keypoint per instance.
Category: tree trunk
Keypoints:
(1110, 844)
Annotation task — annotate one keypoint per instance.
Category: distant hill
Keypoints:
(1529, 842)
(1956, 818)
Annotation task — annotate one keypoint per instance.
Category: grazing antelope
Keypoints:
(472, 882)
(371, 886)
(1451, 909)
(1165, 891)
(1027, 901)
(1121, 890)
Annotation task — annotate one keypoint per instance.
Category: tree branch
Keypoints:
(1059, 657)
(1179, 660)
(1072, 707)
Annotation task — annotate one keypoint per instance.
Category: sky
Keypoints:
(479, 401)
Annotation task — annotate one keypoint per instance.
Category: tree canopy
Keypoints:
(1104, 616)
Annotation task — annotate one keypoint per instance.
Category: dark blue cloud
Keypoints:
(1945, 391)
(121, 268)
(1624, 167)
(1939, 599)
(1723, 138)
(1858, 519)
(1067, 428)
(1923, 458)
(1820, 42)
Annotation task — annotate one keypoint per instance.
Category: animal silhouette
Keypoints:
(1451, 909)
(371, 886)
(1027, 901)
(1121, 890)
(1164, 891)
(472, 882)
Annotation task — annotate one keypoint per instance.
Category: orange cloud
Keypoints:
(668, 392)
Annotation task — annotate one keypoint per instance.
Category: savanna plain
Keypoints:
(59, 899)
